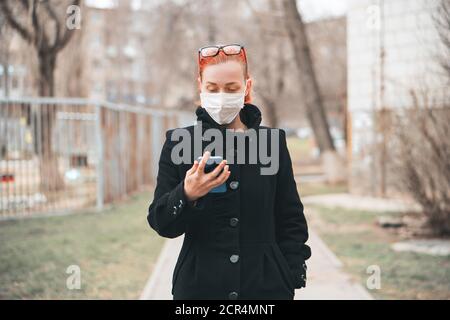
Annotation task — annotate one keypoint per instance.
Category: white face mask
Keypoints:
(223, 107)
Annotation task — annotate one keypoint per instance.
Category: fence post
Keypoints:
(156, 142)
(100, 157)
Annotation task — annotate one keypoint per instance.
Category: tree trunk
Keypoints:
(271, 111)
(50, 177)
(47, 63)
(333, 165)
(310, 88)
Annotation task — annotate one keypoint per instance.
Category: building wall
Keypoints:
(411, 44)
(116, 65)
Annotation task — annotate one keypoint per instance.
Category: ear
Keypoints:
(249, 86)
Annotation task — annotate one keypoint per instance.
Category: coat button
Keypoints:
(234, 184)
(233, 295)
(234, 258)
(234, 222)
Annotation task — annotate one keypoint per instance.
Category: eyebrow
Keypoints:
(228, 83)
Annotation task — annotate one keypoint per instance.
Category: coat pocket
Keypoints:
(180, 261)
(284, 266)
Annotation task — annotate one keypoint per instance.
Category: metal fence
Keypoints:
(60, 155)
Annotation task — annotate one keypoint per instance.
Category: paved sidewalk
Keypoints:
(357, 202)
(326, 280)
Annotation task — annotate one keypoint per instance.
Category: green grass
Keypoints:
(115, 249)
(355, 238)
(300, 150)
(299, 146)
(313, 188)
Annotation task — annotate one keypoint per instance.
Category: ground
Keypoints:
(115, 250)
(359, 242)
(351, 232)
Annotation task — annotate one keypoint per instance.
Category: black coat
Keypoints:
(246, 243)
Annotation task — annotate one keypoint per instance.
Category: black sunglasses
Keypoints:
(229, 49)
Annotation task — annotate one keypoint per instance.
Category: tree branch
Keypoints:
(61, 42)
(15, 24)
(51, 12)
(40, 39)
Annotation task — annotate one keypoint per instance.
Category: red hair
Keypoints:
(221, 57)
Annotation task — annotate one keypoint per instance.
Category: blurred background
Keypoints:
(89, 87)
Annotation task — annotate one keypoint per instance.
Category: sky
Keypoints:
(318, 9)
(311, 9)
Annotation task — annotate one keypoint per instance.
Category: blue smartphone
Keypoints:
(211, 164)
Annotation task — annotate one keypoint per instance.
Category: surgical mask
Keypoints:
(223, 107)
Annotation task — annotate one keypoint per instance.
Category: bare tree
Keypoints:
(421, 145)
(272, 85)
(311, 91)
(422, 151)
(43, 25)
(442, 23)
(308, 80)
(176, 31)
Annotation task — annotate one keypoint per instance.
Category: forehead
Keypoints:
(223, 72)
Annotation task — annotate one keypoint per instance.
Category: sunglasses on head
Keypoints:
(229, 49)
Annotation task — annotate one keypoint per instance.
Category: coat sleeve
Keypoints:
(170, 212)
(291, 225)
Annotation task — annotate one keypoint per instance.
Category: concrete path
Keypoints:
(326, 280)
(159, 285)
(357, 202)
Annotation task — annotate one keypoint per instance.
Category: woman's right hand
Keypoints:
(197, 183)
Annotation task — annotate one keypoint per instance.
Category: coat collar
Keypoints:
(250, 116)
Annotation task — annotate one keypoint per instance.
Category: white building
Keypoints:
(406, 30)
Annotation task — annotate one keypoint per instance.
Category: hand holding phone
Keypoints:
(200, 180)
(211, 164)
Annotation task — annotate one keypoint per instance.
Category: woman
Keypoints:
(247, 242)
